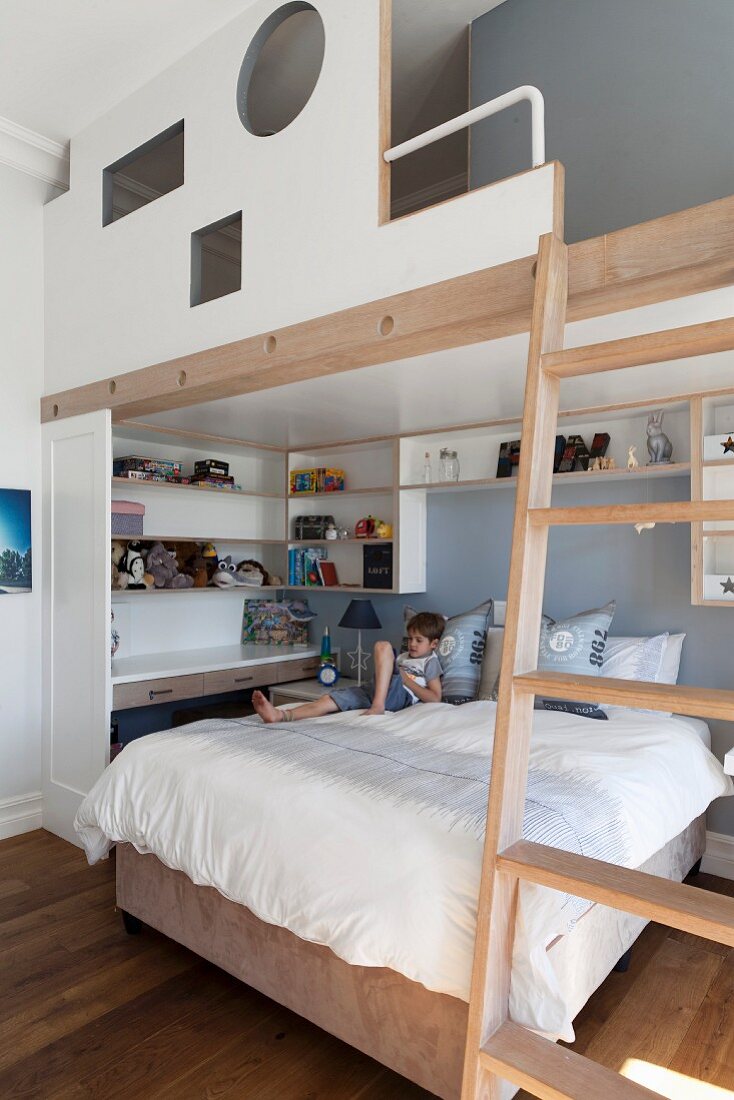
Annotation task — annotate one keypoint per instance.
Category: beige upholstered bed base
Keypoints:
(397, 1021)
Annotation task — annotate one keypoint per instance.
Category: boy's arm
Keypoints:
(431, 693)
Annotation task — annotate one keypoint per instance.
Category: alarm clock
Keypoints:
(328, 674)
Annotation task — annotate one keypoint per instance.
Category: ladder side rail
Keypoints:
(489, 998)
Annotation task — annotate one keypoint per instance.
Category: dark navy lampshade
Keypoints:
(360, 615)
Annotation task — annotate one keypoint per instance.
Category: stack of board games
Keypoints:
(213, 472)
(140, 468)
(318, 479)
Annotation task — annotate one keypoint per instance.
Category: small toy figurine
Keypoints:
(383, 530)
(659, 446)
(632, 462)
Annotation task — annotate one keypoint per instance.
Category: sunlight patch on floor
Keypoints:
(675, 1086)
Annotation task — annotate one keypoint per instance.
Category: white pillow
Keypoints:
(671, 659)
(634, 658)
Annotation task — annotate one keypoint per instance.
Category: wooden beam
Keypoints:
(674, 511)
(635, 351)
(684, 253)
(553, 1072)
(685, 907)
(695, 701)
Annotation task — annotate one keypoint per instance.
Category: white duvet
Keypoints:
(380, 879)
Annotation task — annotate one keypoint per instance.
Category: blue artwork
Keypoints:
(15, 541)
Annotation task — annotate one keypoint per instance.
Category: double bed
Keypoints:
(334, 864)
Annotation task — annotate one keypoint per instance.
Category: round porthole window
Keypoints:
(280, 69)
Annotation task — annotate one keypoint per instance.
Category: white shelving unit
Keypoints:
(713, 543)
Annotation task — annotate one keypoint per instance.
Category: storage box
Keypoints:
(127, 517)
(377, 569)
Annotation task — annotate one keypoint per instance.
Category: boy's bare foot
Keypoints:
(374, 710)
(265, 708)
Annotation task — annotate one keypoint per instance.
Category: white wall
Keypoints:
(118, 296)
(21, 383)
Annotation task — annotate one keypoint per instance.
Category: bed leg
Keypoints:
(133, 925)
(623, 964)
(696, 867)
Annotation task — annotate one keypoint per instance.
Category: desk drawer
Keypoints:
(146, 693)
(303, 669)
(239, 679)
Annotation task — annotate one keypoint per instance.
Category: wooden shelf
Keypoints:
(123, 593)
(720, 534)
(355, 589)
(717, 463)
(198, 539)
(670, 469)
(339, 542)
(336, 494)
(134, 483)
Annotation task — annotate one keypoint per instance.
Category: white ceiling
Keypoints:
(461, 386)
(64, 63)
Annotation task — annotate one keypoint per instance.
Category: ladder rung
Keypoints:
(675, 511)
(635, 351)
(695, 701)
(553, 1072)
(685, 907)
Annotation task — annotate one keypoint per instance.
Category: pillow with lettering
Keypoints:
(576, 645)
(461, 651)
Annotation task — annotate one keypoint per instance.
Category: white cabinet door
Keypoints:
(77, 460)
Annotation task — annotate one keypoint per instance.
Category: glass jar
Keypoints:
(448, 465)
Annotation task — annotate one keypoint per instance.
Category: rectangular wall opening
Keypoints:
(216, 259)
(143, 175)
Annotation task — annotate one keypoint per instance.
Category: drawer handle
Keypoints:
(163, 691)
(243, 679)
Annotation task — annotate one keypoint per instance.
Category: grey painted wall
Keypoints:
(639, 100)
(469, 537)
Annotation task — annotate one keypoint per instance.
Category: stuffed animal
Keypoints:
(254, 573)
(162, 565)
(225, 575)
(196, 567)
(132, 565)
(211, 557)
(120, 580)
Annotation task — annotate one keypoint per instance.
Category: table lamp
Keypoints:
(359, 616)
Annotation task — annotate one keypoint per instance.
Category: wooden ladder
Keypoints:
(496, 1047)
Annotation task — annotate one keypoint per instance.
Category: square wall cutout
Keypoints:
(216, 259)
(140, 177)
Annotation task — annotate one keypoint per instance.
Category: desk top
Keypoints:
(185, 662)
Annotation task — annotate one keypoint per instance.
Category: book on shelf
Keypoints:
(303, 566)
(327, 573)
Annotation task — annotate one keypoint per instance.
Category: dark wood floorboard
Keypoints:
(90, 1013)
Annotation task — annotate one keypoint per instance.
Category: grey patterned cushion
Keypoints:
(575, 645)
(461, 650)
(490, 675)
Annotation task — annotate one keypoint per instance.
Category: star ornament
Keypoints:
(727, 585)
(728, 446)
(358, 659)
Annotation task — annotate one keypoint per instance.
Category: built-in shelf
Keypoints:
(337, 542)
(720, 534)
(198, 539)
(669, 469)
(135, 483)
(717, 463)
(336, 494)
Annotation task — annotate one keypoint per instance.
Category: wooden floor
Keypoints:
(88, 1011)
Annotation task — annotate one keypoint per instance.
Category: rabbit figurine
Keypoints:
(659, 446)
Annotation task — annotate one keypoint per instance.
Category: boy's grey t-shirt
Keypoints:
(422, 669)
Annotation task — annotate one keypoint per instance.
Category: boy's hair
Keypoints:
(428, 623)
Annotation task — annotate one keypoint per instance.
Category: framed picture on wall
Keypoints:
(16, 574)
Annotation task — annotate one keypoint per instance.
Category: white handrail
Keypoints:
(492, 107)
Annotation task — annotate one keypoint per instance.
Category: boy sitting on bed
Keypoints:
(414, 677)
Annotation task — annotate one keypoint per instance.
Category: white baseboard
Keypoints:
(718, 858)
(20, 814)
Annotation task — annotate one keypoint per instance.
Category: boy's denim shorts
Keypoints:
(360, 698)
